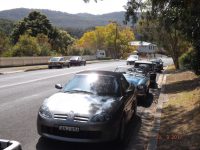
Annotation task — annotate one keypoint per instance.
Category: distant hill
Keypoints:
(65, 20)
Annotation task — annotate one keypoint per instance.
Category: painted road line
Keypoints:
(44, 78)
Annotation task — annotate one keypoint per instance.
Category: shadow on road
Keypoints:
(133, 129)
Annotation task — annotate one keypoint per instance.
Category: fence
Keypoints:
(25, 61)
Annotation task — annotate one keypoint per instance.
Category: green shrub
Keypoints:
(187, 60)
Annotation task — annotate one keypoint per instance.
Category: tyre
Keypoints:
(49, 67)
(68, 66)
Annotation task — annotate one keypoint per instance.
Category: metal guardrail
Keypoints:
(24, 61)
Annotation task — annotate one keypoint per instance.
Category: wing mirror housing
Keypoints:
(58, 86)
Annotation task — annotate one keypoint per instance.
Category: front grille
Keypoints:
(81, 134)
(60, 116)
(75, 118)
(81, 119)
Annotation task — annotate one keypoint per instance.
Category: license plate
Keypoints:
(68, 128)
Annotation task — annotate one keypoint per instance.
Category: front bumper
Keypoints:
(89, 132)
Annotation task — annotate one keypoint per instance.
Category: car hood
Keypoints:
(80, 103)
(134, 80)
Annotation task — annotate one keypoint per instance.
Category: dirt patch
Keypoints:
(180, 121)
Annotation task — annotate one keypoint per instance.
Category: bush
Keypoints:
(187, 60)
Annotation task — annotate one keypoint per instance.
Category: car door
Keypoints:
(128, 99)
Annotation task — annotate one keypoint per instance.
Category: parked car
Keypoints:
(58, 62)
(159, 64)
(77, 61)
(151, 69)
(131, 59)
(139, 80)
(95, 106)
(9, 145)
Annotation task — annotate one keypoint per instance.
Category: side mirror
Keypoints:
(130, 90)
(58, 86)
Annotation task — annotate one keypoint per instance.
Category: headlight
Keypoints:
(140, 87)
(101, 118)
(44, 111)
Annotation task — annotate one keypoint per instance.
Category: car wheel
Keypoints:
(127, 63)
(68, 65)
(84, 63)
(49, 67)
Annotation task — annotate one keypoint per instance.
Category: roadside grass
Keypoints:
(180, 120)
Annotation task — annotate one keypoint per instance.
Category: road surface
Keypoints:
(21, 95)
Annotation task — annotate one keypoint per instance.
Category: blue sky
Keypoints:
(69, 6)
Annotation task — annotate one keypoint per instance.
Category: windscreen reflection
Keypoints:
(93, 83)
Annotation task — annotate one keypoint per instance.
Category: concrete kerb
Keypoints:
(152, 145)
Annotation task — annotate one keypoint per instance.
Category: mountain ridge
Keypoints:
(65, 20)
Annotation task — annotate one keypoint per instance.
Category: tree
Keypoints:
(34, 24)
(26, 46)
(4, 43)
(60, 40)
(112, 38)
(44, 44)
(187, 14)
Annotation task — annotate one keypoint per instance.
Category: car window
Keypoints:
(61, 59)
(94, 83)
(54, 59)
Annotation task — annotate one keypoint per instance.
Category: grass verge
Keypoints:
(180, 121)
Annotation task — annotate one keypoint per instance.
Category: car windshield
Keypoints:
(93, 83)
(55, 59)
(74, 58)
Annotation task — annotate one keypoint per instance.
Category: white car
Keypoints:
(131, 59)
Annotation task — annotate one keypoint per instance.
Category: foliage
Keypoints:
(112, 38)
(26, 46)
(34, 24)
(6, 26)
(4, 43)
(61, 40)
(44, 44)
(187, 59)
(186, 14)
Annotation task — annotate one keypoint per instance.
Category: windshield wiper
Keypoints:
(78, 91)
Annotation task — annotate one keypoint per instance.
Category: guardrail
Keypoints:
(25, 61)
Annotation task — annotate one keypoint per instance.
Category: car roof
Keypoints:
(57, 57)
(144, 62)
(100, 72)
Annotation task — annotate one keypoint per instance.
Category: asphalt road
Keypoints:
(21, 95)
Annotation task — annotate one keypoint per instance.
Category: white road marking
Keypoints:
(44, 78)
